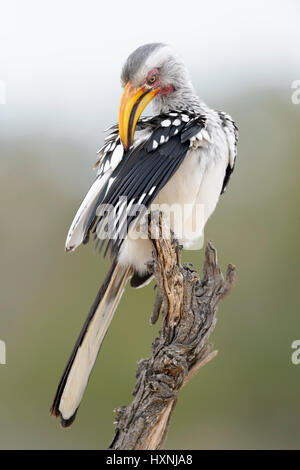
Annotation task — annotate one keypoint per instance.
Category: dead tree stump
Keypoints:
(188, 307)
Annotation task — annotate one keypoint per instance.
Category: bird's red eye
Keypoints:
(152, 79)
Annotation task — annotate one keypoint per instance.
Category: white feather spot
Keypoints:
(185, 118)
(176, 122)
(108, 137)
(162, 139)
(173, 114)
(152, 190)
(176, 131)
(110, 182)
(165, 123)
(154, 144)
(122, 216)
(113, 146)
(142, 198)
(117, 156)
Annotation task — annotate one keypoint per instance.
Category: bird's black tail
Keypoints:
(76, 374)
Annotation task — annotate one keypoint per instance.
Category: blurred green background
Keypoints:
(50, 129)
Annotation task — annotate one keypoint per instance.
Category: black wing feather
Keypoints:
(142, 174)
(144, 170)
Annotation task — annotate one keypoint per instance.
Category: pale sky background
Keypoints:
(60, 59)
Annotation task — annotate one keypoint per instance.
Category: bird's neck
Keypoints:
(184, 99)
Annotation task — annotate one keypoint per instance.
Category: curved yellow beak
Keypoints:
(133, 103)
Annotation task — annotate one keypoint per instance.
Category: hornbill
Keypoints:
(183, 154)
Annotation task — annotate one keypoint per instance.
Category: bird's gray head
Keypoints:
(156, 65)
(153, 71)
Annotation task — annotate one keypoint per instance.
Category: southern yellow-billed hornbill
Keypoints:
(183, 155)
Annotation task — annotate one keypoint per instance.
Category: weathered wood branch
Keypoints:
(188, 307)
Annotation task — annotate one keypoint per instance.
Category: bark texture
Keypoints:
(188, 307)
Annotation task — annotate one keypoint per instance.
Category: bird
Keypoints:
(183, 154)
